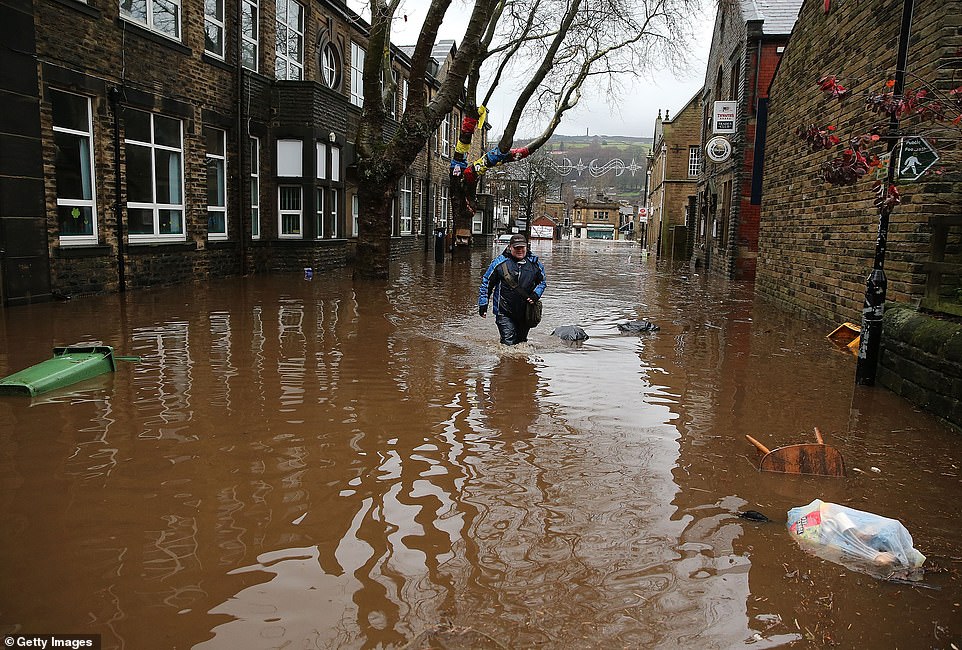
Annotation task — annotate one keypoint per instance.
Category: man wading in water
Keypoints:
(525, 284)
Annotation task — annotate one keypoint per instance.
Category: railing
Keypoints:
(943, 287)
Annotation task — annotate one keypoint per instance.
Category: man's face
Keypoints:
(518, 251)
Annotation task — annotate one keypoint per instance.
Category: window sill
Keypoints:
(149, 248)
(70, 251)
(82, 7)
(150, 35)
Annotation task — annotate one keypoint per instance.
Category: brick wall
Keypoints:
(817, 241)
(922, 361)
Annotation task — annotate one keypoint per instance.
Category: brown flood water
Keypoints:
(337, 464)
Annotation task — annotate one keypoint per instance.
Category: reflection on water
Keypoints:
(333, 463)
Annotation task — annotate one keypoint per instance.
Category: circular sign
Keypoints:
(719, 149)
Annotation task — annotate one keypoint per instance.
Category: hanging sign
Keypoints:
(718, 149)
(724, 117)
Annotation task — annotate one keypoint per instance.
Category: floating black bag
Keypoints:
(533, 310)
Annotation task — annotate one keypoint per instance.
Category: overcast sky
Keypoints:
(632, 113)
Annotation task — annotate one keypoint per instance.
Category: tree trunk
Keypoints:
(375, 194)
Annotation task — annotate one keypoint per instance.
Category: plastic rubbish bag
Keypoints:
(859, 540)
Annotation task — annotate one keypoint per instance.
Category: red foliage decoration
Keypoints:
(818, 138)
(830, 85)
(852, 165)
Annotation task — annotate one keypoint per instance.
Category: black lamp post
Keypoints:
(873, 309)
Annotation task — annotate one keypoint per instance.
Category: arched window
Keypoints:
(330, 63)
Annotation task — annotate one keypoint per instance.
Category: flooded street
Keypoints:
(340, 464)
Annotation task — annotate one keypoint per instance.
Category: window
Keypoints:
(391, 107)
(289, 63)
(321, 160)
(73, 139)
(694, 160)
(216, 140)
(404, 94)
(355, 213)
(335, 213)
(446, 136)
(155, 197)
(290, 161)
(289, 211)
(250, 38)
(444, 205)
(735, 89)
(357, 74)
(319, 214)
(335, 164)
(331, 66)
(161, 16)
(255, 189)
(476, 223)
(214, 27)
(407, 205)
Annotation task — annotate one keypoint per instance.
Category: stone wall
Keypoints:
(817, 241)
(922, 361)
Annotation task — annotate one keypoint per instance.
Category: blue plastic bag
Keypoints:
(859, 540)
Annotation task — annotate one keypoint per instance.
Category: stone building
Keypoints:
(596, 218)
(150, 143)
(818, 239)
(673, 167)
(748, 41)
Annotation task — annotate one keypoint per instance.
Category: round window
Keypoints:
(330, 66)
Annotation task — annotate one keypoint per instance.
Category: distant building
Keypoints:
(544, 227)
(747, 43)
(674, 167)
(595, 218)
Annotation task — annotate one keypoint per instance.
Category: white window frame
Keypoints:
(284, 231)
(357, 74)
(214, 24)
(335, 207)
(335, 164)
(355, 213)
(217, 160)
(406, 194)
(404, 94)
(88, 179)
(443, 205)
(321, 157)
(319, 213)
(446, 136)
(286, 66)
(694, 160)
(477, 223)
(255, 187)
(156, 206)
(330, 66)
(290, 158)
(143, 12)
(391, 107)
(250, 42)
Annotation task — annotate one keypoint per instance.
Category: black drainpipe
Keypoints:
(114, 95)
(242, 141)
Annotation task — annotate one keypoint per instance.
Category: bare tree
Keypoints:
(554, 47)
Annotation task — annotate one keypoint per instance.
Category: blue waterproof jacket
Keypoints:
(528, 273)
